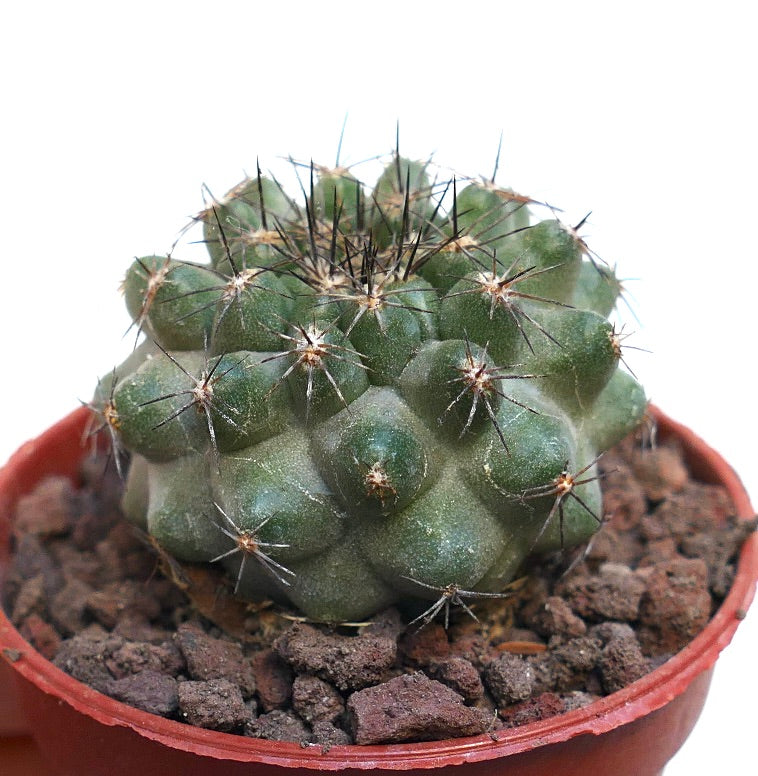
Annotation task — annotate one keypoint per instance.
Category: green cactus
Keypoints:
(371, 397)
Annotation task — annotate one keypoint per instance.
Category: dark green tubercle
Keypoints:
(370, 397)
(240, 230)
(401, 202)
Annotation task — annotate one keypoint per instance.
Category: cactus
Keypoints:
(371, 397)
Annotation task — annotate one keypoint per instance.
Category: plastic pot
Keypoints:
(630, 733)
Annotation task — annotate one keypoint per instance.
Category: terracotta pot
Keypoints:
(630, 733)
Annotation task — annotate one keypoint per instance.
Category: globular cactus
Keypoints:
(371, 396)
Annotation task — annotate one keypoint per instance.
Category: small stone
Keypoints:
(611, 544)
(459, 675)
(719, 548)
(659, 550)
(124, 537)
(661, 472)
(557, 618)
(30, 600)
(92, 527)
(410, 707)
(75, 564)
(675, 606)
(216, 704)
(697, 508)
(612, 594)
(278, 725)
(68, 608)
(111, 562)
(118, 598)
(580, 654)
(565, 667)
(150, 691)
(209, 658)
(522, 635)
(623, 497)
(606, 632)
(347, 662)
(544, 706)
(314, 699)
(273, 680)
(474, 647)
(48, 510)
(138, 565)
(577, 699)
(166, 593)
(137, 657)
(134, 626)
(387, 623)
(621, 663)
(534, 593)
(41, 635)
(31, 559)
(329, 735)
(509, 678)
(422, 646)
(85, 659)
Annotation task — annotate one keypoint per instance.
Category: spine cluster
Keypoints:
(370, 395)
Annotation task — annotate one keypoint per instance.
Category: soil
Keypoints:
(93, 595)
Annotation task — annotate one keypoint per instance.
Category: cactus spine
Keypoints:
(370, 396)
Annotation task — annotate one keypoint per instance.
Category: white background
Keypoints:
(115, 114)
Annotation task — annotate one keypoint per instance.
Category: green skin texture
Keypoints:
(373, 470)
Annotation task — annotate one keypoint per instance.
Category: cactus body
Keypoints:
(369, 396)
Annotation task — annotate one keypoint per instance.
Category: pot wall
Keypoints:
(12, 719)
(641, 748)
(631, 733)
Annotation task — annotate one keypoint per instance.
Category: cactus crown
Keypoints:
(370, 396)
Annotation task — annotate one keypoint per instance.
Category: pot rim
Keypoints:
(644, 696)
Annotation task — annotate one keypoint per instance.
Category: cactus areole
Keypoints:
(370, 396)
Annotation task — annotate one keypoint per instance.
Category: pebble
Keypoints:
(216, 704)
(410, 707)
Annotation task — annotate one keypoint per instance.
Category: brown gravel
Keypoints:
(410, 707)
(216, 704)
(316, 700)
(83, 589)
(347, 662)
(274, 680)
(209, 658)
(148, 690)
